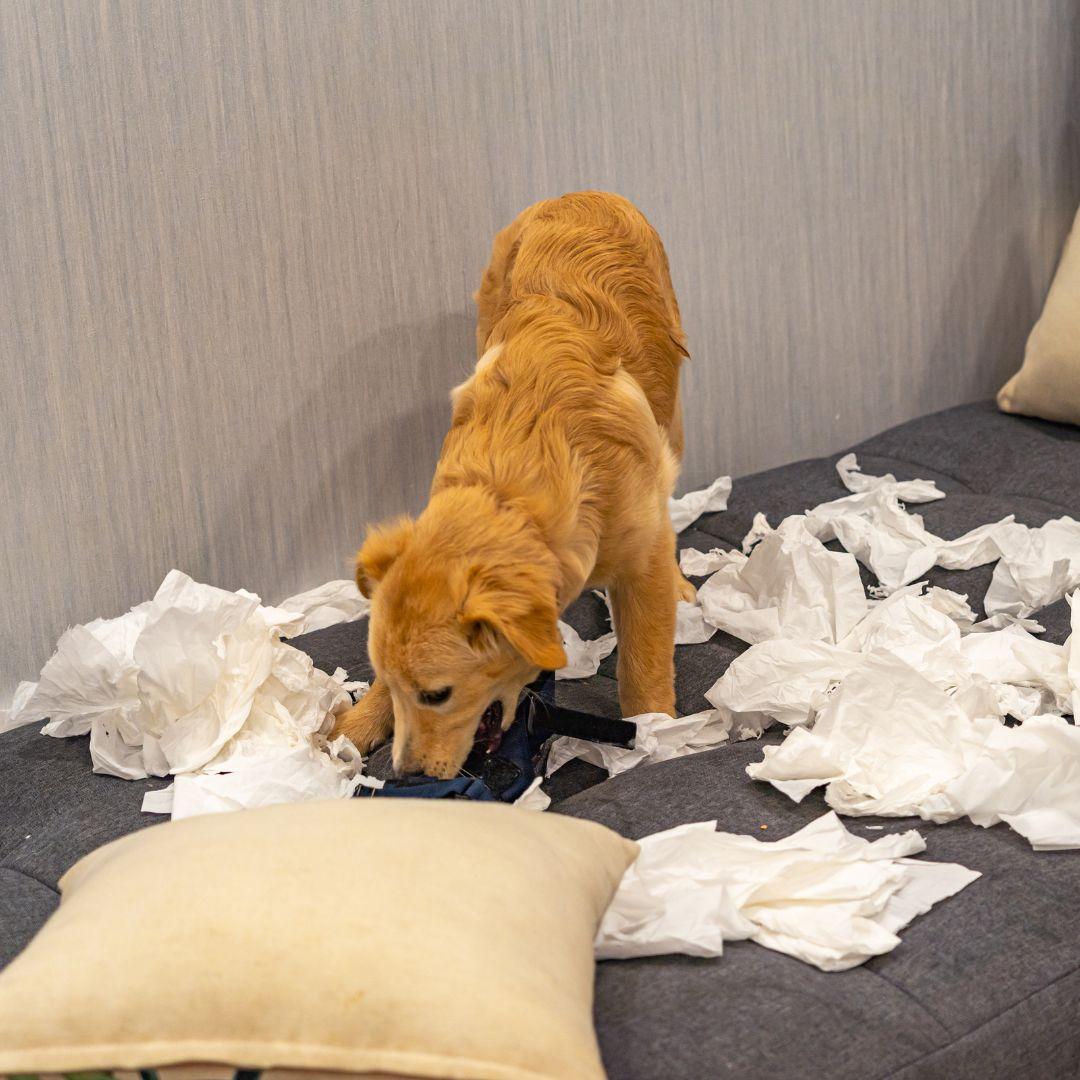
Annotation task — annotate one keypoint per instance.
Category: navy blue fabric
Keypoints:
(505, 774)
(500, 776)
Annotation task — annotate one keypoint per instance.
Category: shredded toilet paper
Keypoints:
(534, 797)
(899, 703)
(790, 585)
(699, 563)
(583, 657)
(686, 509)
(1037, 567)
(891, 741)
(326, 605)
(858, 482)
(16, 714)
(198, 684)
(659, 738)
(821, 895)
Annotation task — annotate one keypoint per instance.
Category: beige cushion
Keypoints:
(402, 936)
(1048, 385)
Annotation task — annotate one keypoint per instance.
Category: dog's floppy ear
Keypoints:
(520, 606)
(382, 545)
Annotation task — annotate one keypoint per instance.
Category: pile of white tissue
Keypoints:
(197, 684)
(898, 702)
(821, 894)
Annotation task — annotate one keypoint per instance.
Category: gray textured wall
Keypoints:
(238, 240)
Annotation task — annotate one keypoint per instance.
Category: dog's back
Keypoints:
(596, 253)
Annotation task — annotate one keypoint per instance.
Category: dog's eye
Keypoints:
(434, 697)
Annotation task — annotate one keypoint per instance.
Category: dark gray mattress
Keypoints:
(986, 984)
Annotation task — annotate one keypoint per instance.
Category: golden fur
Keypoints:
(553, 478)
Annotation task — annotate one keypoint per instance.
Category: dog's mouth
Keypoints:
(489, 731)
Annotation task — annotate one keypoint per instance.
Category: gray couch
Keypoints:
(986, 984)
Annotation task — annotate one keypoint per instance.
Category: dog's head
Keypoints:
(458, 626)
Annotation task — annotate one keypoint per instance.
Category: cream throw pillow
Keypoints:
(1048, 385)
(401, 936)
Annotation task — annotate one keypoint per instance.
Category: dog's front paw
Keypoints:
(368, 723)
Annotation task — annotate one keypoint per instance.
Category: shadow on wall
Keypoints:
(364, 468)
(1013, 306)
(1022, 282)
(1007, 311)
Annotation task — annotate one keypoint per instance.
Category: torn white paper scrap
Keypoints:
(790, 586)
(158, 802)
(534, 797)
(334, 602)
(298, 775)
(955, 605)
(1037, 568)
(1072, 655)
(879, 533)
(896, 545)
(659, 738)
(303, 774)
(890, 742)
(822, 895)
(672, 899)
(912, 491)
(910, 625)
(782, 679)
(583, 657)
(759, 529)
(686, 509)
(881, 753)
(202, 655)
(690, 625)
(17, 714)
(696, 563)
(992, 674)
(1026, 776)
(1013, 656)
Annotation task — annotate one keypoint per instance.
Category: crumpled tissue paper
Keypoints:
(699, 563)
(1037, 568)
(889, 740)
(858, 482)
(327, 605)
(583, 657)
(686, 509)
(659, 738)
(534, 797)
(790, 585)
(821, 895)
(198, 681)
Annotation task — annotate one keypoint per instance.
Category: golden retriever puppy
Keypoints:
(554, 478)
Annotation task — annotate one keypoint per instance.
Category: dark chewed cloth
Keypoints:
(504, 774)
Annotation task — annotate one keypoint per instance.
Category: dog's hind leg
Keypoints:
(684, 590)
(370, 721)
(674, 434)
(644, 610)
